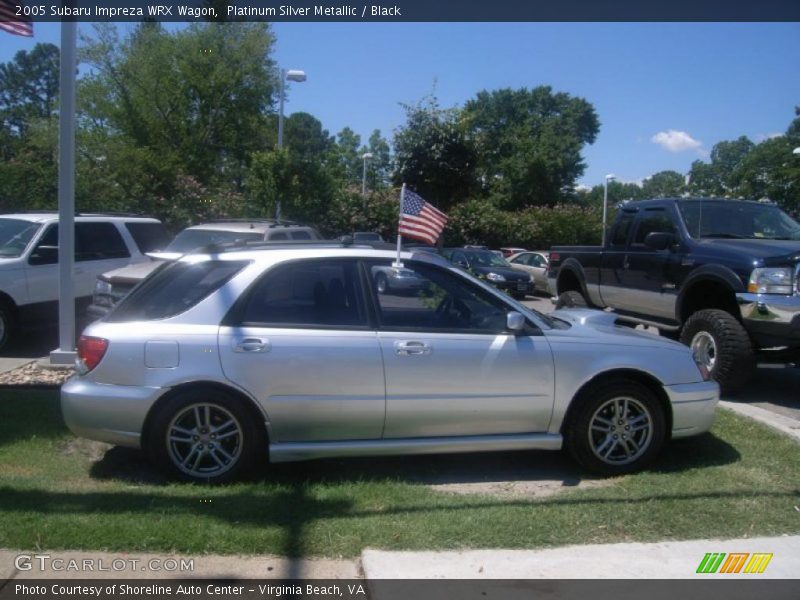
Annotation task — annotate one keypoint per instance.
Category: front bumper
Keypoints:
(512, 287)
(771, 320)
(107, 413)
(693, 406)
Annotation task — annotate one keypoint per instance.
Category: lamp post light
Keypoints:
(291, 75)
(366, 156)
(608, 178)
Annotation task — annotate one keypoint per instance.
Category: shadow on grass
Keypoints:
(132, 466)
(25, 414)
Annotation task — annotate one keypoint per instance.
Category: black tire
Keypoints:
(733, 361)
(381, 283)
(8, 324)
(237, 452)
(632, 449)
(571, 299)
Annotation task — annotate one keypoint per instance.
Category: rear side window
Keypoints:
(301, 235)
(279, 236)
(99, 241)
(173, 289)
(622, 229)
(653, 220)
(315, 293)
(149, 237)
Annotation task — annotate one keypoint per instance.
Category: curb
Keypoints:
(784, 424)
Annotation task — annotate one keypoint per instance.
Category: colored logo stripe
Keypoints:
(713, 562)
(758, 563)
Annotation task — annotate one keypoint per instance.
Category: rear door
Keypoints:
(300, 343)
(648, 275)
(613, 260)
(451, 366)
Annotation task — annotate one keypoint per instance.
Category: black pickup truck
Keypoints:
(722, 276)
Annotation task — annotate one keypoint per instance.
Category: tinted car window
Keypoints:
(192, 239)
(149, 237)
(622, 229)
(435, 299)
(98, 241)
(653, 220)
(301, 235)
(316, 293)
(279, 236)
(173, 289)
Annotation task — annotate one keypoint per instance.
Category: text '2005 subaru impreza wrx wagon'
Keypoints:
(218, 359)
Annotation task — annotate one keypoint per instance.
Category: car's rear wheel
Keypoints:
(571, 299)
(205, 435)
(618, 427)
(722, 344)
(7, 325)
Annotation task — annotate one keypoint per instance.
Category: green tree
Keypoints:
(664, 184)
(771, 171)
(434, 156)
(190, 105)
(529, 143)
(722, 175)
(28, 88)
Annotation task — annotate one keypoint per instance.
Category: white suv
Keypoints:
(29, 260)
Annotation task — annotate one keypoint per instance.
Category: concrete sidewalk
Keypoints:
(663, 560)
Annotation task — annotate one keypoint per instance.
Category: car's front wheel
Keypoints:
(571, 299)
(619, 426)
(206, 436)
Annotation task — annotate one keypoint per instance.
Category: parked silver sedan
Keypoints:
(216, 360)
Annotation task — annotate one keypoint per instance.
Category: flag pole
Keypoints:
(397, 262)
(66, 196)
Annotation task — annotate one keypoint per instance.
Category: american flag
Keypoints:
(10, 22)
(419, 220)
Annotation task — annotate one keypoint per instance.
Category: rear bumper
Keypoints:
(107, 413)
(693, 406)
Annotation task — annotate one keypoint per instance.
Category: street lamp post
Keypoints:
(291, 75)
(608, 178)
(366, 156)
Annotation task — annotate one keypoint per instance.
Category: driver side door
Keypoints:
(451, 366)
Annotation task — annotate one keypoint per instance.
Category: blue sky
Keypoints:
(665, 93)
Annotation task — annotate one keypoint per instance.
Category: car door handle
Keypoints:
(409, 348)
(251, 344)
(626, 264)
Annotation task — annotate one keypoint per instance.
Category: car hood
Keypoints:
(771, 252)
(132, 274)
(508, 272)
(599, 326)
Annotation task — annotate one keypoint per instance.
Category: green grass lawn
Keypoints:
(58, 492)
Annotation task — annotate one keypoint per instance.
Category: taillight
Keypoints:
(554, 257)
(91, 351)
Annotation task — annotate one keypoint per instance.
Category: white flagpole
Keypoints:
(66, 197)
(397, 262)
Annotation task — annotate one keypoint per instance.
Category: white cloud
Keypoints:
(676, 141)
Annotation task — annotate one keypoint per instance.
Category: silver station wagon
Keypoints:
(296, 351)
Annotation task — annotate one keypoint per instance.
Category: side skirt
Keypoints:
(293, 451)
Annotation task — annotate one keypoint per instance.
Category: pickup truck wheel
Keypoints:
(571, 299)
(618, 427)
(720, 342)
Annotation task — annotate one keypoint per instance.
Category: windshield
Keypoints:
(486, 258)
(192, 239)
(15, 235)
(733, 219)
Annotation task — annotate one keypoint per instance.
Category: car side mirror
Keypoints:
(658, 240)
(44, 255)
(515, 321)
